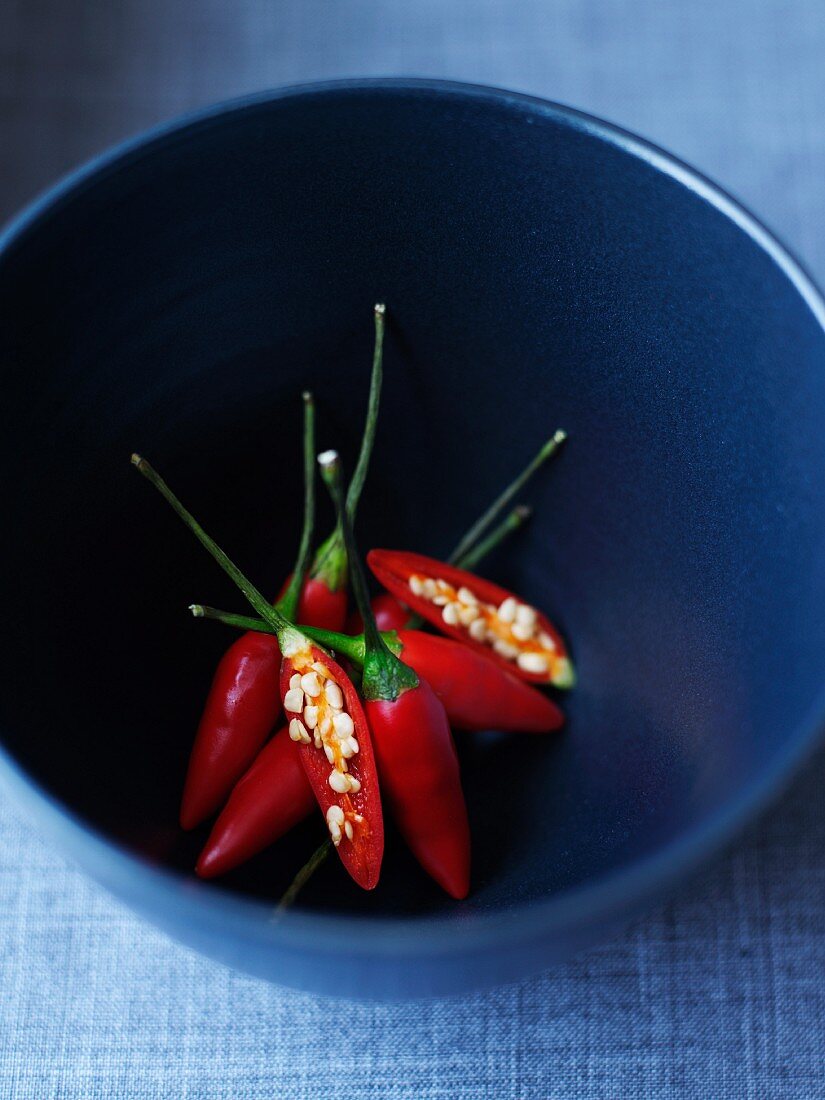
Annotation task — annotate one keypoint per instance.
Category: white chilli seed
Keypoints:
(311, 717)
(326, 725)
(321, 669)
(521, 631)
(440, 601)
(546, 642)
(311, 684)
(507, 610)
(505, 649)
(354, 784)
(468, 614)
(294, 700)
(429, 588)
(450, 614)
(466, 596)
(416, 585)
(336, 814)
(333, 694)
(295, 680)
(353, 746)
(346, 751)
(442, 585)
(526, 615)
(348, 830)
(532, 662)
(330, 755)
(335, 833)
(297, 731)
(316, 738)
(343, 725)
(478, 630)
(339, 782)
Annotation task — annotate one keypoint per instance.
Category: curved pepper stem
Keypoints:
(351, 646)
(330, 563)
(288, 603)
(288, 636)
(385, 677)
(472, 536)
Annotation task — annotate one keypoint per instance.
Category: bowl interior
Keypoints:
(537, 275)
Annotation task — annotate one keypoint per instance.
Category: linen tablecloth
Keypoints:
(720, 993)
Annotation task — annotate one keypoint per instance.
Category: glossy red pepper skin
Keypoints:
(476, 692)
(270, 799)
(241, 711)
(362, 855)
(390, 614)
(320, 606)
(420, 780)
(393, 568)
(243, 707)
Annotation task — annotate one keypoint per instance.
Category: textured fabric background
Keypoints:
(721, 992)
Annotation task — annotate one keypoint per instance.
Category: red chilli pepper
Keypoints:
(348, 795)
(477, 693)
(417, 761)
(268, 801)
(479, 613)
(242, 707)
(390, 614)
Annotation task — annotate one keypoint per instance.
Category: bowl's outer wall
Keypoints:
(537, 275)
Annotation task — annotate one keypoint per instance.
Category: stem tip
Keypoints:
(328, 459)
(197, 610)
(380, 308)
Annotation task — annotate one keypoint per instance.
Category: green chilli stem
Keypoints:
(304, 875)
(330, 562)
(385, 677)
(352, 646)
(515, 519)
(256, 599)
(475, 532)
(288, 603)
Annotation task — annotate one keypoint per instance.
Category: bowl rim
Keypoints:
(607, 895)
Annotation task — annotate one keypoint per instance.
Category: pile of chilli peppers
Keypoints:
(352, 712)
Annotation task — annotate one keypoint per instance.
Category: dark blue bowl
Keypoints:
(542, 269)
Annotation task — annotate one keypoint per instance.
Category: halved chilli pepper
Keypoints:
(394, 614)
(479, 613)
(242, 706)
(347, 792)
(270, 799)
(328, 574)
(417, 761)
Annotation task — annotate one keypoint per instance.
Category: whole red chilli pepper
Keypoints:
(242, 706)
(270, 799)
(479, 613)
(417, 761)
(333, 741)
